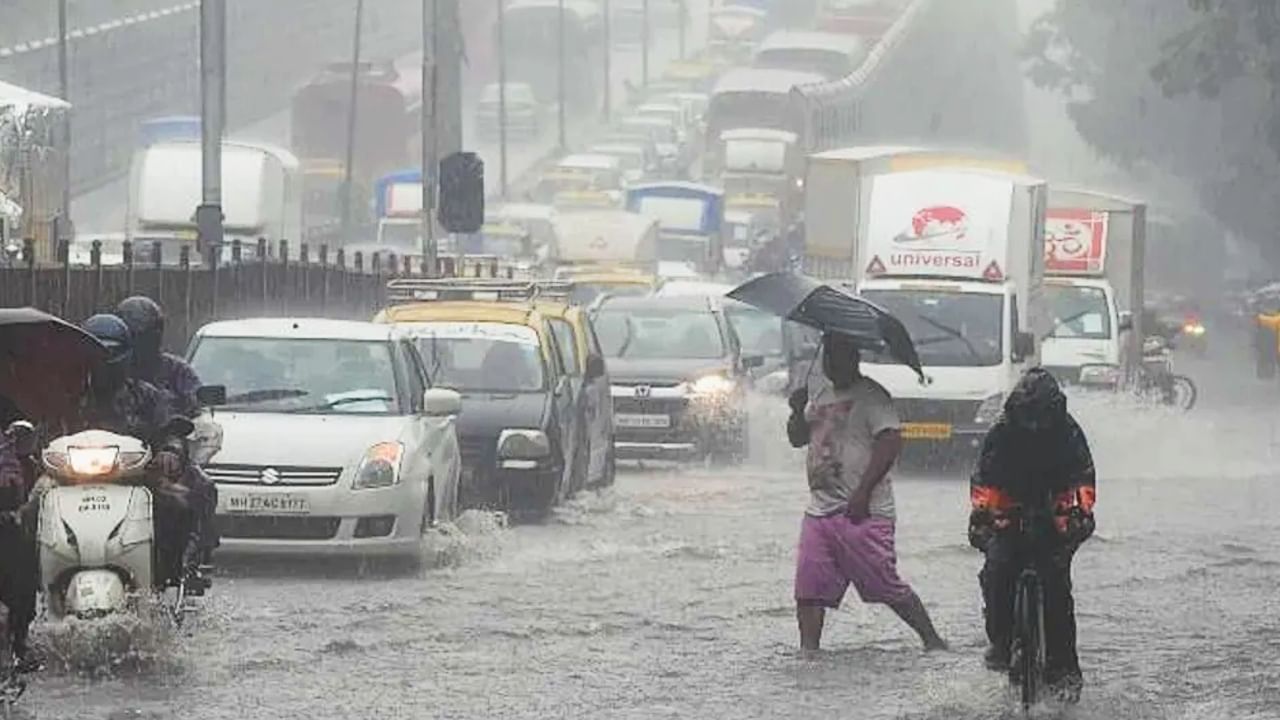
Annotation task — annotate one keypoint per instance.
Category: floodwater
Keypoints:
(670, 596)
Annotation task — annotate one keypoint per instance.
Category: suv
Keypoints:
(518, 427)
(679, 378)
(334, 440)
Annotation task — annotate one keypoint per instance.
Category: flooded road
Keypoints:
(670, 596)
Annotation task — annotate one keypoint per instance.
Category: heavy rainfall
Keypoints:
(639, 359)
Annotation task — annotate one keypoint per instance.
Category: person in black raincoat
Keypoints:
(18, 572)
(1035, 455)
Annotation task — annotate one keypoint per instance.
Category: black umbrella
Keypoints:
(44, 362)
(831, 309)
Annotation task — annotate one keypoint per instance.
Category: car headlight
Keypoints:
(380, 466)
(523, 445)
(711, 385)
(1099, 375)
(92, 461)
(989, 410)
(1193, 329)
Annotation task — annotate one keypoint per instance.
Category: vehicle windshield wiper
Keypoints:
(254, 397)
(953, 333)
(338, 402)
(1067, 321)
(626, 341)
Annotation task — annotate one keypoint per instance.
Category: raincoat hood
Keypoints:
(1037, 401)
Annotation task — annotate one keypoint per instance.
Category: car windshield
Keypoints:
(659, 332)
(586, 293)
(759, 332)
(290, 375)
(950, 329)
(481, 357)
(1079, 312)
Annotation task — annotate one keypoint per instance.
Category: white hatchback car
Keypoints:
(333, 442)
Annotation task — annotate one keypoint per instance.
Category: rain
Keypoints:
(498, 425)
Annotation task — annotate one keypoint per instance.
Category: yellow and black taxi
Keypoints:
(518, 428)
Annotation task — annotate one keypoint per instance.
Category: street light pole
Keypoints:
(64, 87)
(502, 98)
(430, 151)
(353, 103)
(213, 77)
(608, 61)
(644, 46)
(560, 73)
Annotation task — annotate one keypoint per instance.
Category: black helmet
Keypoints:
(142, 314)
(1036, 402)
(113, 334)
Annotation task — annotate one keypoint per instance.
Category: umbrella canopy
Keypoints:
(831, 309)
(44, 362)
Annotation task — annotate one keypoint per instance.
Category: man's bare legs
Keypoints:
(812, 617)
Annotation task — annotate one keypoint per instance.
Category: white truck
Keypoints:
(958, 255)
(261, 194)
(1094, 259)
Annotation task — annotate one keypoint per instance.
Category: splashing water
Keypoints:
(144, 640)
(474, 535)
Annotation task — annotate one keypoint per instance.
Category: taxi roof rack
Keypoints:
(411, 290)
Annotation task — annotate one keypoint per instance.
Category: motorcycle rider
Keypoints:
(18, 572)
(179, 382)
(1033, 454)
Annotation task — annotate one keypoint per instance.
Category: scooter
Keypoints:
(96, 533)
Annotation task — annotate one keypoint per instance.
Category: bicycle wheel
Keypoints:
(1029, 656)
(1184, 392)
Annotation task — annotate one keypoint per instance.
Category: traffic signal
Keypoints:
(461, 193)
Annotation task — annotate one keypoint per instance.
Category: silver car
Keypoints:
(333, 442)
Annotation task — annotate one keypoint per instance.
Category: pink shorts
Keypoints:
(835, 551)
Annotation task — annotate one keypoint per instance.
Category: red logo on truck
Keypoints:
(1075, 241)
(940, 222)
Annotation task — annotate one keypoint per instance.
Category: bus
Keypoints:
(831, 55)
(753, 98)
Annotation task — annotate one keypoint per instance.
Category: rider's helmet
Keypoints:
(1036, 402)
(146, 322)
(113, 334)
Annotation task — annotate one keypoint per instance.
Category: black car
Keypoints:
(678, 378)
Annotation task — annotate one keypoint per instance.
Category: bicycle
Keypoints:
(1027, 653)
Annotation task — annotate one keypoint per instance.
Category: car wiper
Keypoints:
(254, 397)
(626, 341)
(1067, 321)
(339, 402)
(953, 333)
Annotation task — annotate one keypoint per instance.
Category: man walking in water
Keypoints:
(852, 430)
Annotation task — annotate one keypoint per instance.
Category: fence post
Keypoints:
(285, 284)
(157, 261)
(29, 255)
(126, 256)
(184, 261)
(237, 273)
(304, 260)
(64, 256)
(214, 264)
(408, 266)
(358, 298)
(324, 277)
(262, 262)
(95, 262)
(342, 273)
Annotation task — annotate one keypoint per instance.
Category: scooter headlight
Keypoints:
(93, 461)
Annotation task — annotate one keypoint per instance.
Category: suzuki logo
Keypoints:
(270, 476)
(643, 391)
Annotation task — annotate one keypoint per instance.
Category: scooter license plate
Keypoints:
(266, 504)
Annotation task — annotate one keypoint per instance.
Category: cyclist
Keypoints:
(1034, 453)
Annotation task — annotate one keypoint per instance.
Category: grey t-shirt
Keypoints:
(843, 425)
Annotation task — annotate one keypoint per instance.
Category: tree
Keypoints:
(1187, 88)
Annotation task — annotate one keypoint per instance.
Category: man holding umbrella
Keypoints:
(847, 536)
(852, 431)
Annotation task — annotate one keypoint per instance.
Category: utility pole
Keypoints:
(644, 46)
(502, 99)
(561, 88)
(429, 149)
(65, 231)
(213, 78)
(683, 6)
(353, 104)
(608, 61)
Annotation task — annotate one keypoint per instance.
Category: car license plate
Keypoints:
(926, 431)
(266, 504)
(642, 421)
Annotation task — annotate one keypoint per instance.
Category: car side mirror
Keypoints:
(440, 402)
(212, 395)
(751, 362)
(1024, 346)
(23, 436)
(1126, 321)
(595, 367)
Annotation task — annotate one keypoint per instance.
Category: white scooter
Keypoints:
(96, 534)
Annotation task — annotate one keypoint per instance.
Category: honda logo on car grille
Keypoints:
(643, 391)
(270, 476)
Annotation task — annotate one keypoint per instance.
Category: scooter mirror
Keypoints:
(179, 427)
